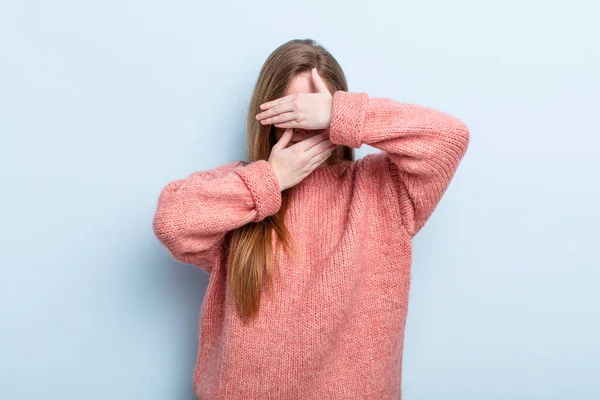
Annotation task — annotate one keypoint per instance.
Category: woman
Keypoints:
(330, 323)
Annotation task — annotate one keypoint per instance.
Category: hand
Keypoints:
(293, 164)
(300, 110)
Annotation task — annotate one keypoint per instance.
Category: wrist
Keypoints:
(279, 182)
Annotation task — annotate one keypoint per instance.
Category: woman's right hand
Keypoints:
(294, 163)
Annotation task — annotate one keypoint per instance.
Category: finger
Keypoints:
(284, 139)
(321, 147)
(289, 124)
(275, 102)
(279, 109)
(321, 157)
(310, 142)
(319, 83)
(282, 118)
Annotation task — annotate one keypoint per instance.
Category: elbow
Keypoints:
(169, 233)
(460, 136)
(172, 226)
(168, 223)
(164, 229)
(461, 131)
(175, 234)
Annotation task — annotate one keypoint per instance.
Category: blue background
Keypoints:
(104, 102)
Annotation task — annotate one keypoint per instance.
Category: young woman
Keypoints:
(309, 250)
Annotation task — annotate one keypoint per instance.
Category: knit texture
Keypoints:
(333, 327)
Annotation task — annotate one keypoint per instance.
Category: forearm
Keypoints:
(193, 214)
(425, 146)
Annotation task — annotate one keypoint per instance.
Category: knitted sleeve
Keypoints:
(194, 214)
(422, 146)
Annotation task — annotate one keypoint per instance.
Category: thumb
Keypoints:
(319, 83)
(284, 139)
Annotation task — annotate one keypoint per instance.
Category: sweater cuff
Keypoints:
(261, 180)
(347, 118)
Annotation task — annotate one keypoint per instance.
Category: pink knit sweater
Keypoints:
(333, 328)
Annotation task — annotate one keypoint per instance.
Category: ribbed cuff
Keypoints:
(261, 180)
(347, 118)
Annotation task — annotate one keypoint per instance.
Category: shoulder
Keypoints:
(373, 166)
(376, 171)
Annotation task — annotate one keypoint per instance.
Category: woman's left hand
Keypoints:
(300, 110)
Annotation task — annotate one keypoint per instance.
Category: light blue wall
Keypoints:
(104, 102)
